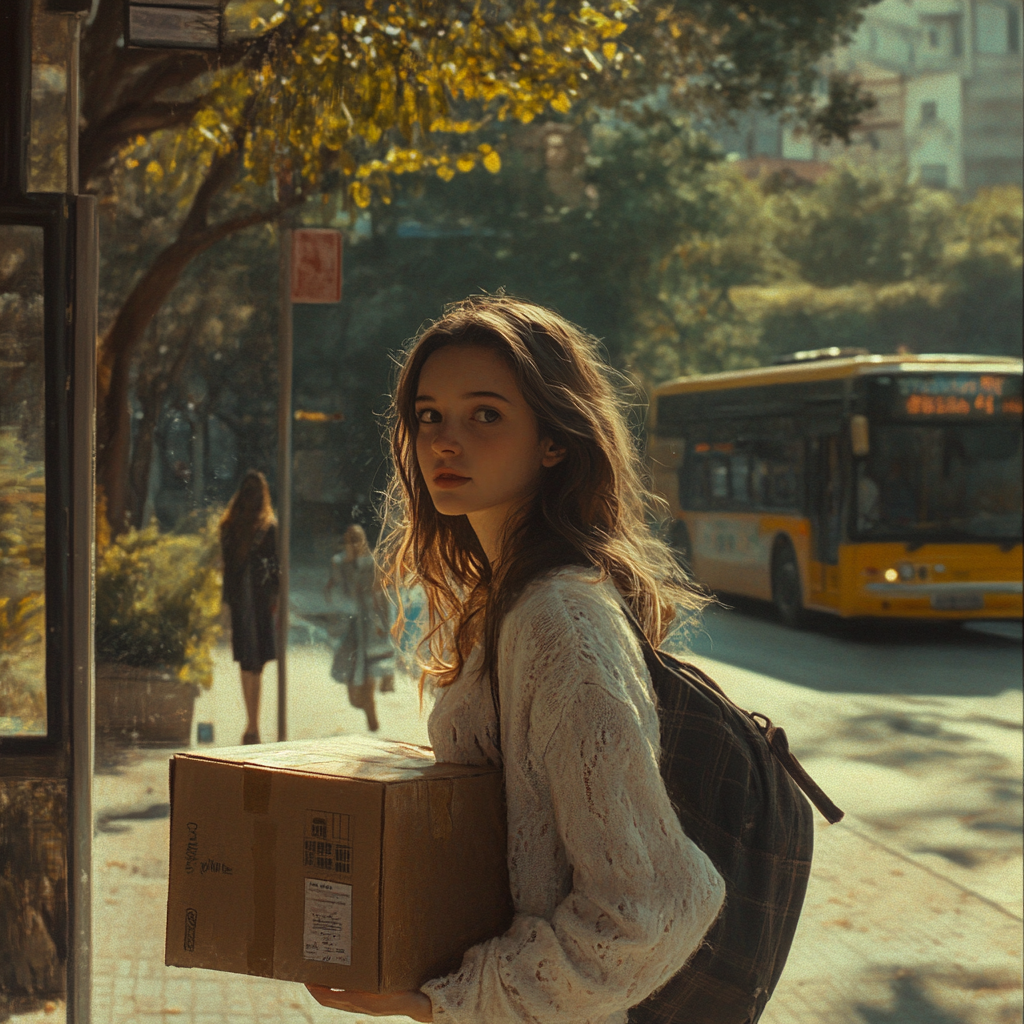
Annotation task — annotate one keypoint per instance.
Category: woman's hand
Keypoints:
(389, 1004)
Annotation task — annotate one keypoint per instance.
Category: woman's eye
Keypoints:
(428, 416)
(486, 415)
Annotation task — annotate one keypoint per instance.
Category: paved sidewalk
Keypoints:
(882, 939)
(886, 937)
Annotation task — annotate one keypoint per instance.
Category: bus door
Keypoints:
(825, 494)
(47, 373)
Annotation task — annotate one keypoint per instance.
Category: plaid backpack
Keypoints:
(733, 781)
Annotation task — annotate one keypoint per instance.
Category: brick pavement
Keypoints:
(885, 938)
(882, 940)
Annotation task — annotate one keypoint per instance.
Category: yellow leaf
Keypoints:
(492, 162)
(360, 193)
(608, 49)
(561, 103)
(154, 169)
(445, 173)
(466, 162)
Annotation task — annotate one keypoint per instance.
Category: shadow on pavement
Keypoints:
(105, 822)
(858, 656)
(929, 996)
(910, 1005)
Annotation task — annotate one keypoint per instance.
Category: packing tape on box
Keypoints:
(439, 794)
(260, 952)
(256, 783)
(256, 788)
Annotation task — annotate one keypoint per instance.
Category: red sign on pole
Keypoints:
(316, 265)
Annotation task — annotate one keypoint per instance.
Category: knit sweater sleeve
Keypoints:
(642, 894)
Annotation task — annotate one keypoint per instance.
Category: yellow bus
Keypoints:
(854, 484)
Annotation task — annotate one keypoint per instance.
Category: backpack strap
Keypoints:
(775, 736)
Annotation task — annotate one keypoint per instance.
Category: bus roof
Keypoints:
(832, 369)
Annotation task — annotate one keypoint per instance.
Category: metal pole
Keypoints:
(284, 472)
(15, 90)
(83, 563)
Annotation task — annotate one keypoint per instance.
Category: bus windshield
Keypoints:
(940, 482)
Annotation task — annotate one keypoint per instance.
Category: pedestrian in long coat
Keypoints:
(248, 541)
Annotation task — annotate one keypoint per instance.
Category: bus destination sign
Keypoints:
(954, 395)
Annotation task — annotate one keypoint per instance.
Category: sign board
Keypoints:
(174, 24)
(316, 265)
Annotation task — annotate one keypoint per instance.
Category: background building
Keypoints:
(947, 78)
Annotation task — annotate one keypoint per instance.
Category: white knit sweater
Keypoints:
(611, 898)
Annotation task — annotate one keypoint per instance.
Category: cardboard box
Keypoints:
(349, 862)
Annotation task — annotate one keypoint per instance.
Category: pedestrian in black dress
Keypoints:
(248, 544)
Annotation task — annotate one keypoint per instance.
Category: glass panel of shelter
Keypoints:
(52, 40)
(35, 810)
(22, 484)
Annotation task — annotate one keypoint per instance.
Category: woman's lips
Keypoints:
(449, 480)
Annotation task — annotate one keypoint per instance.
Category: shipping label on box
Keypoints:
(349, 862)
(327, 922)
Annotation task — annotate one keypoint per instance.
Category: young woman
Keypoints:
(523, 515)
(248, 543)
(364, 651)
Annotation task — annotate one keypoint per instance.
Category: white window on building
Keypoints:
(997, 28)
(943, 35)
(929, 112)
(933, 175)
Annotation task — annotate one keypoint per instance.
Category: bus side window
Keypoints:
(760, 482)
(740, 479)
(778, 476)
(719, 480)
(693, 485)
(783, 486)
(773, 473)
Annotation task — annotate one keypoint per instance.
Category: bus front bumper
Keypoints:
(965, 596)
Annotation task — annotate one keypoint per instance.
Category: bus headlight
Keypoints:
(891, 575)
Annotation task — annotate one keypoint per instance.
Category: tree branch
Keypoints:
(122, 88)
(99, 142)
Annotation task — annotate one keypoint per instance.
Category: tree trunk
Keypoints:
(142, 457)
(113, 427)
(198, 421)
(150, 394)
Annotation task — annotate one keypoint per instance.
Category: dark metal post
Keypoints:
(15, 93)
(83, 413)
(284, 472)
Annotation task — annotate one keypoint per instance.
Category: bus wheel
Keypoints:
(679, 540)
(786, 591)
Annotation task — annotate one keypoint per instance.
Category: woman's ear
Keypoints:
(553, 454)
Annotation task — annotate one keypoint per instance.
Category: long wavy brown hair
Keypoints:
(593, 508)
(248, 513)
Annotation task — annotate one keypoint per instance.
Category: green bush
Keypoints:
(22, 614)
(158, 601)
